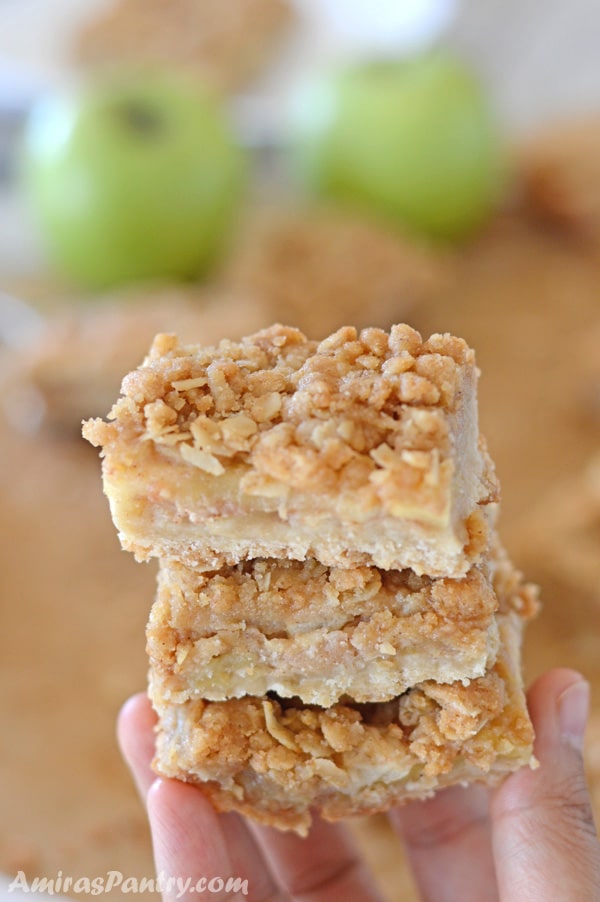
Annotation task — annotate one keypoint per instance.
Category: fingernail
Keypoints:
(573, 708)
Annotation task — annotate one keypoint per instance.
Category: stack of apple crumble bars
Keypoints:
(337, 626)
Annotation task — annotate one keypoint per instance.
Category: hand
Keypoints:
(531, 840)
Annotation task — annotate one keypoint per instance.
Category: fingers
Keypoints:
(208, 851)
(448, 843)
(324, 866)
(135, 732)
(545, 842)
(193, 845)
(191, 840)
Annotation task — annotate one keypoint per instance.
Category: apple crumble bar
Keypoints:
(320, 633)
(276, 759)
(363, 449)
(224, 44)
(323, 269)
(560, 176)
(75, 363)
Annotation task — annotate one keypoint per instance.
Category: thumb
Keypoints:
(545, 842)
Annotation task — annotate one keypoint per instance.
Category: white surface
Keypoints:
(540, 57)
(35, 34)
(20, 250)
(34, 43)
(387, 26)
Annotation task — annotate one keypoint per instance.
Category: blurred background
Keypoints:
(210, 168)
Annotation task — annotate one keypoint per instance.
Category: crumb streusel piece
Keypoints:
(224, 44)
(320, 633)
(559, 536)
(276, 759)
(75, 364)
(560, 176)
(323, 270)
(361, 449)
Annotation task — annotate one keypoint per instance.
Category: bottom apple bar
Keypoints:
(275, 759)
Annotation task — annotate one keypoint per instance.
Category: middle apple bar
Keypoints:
(320, 633)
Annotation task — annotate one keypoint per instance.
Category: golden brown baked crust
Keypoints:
(223, 43)
(275, 760)
(323, 270)
(321, 633)
(277, 446)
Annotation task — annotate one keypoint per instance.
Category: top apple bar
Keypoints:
(361, 449)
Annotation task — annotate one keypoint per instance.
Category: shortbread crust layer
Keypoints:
(276, 759)
(361, 450)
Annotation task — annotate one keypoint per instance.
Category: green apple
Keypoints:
(411, 140)
(135, 177)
